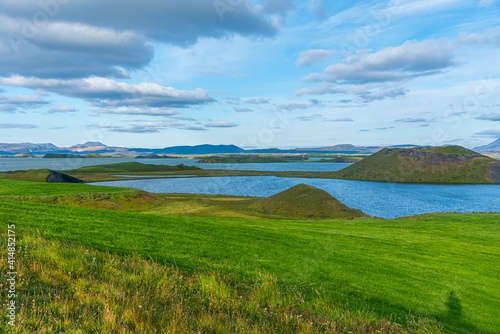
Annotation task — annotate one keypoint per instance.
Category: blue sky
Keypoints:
(276, 73)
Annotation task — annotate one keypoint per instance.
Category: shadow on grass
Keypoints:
(451, 319)
(454, 307)
(453, 316)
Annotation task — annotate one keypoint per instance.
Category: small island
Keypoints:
(155, 156)
(24, 155)
(341, 159)
(250, 158)
(83, 156)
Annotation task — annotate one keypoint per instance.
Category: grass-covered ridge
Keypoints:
(443, 267)
(10, 188)
(34, 175)
(99, 172)
(250, 158)
(446, 165)
(129, 167)
(454, 149)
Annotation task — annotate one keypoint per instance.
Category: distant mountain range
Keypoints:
(98, 147)
(493, 147)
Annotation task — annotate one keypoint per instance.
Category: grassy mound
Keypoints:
(305, 201)
(81, 195)
(34, 175)
(10, 188)
(449, 164)
(126, 167)
(91, 172)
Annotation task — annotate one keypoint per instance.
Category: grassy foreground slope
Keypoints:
(447, 165)
(439, 266)
(75, 289)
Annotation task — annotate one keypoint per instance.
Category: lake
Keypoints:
(10, 164)
(385, 200)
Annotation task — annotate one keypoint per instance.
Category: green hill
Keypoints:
(448, 164)
(89, 173)
(34, 175)
(130, 167)
(307, 202)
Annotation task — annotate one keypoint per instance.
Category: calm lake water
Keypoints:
(386, 200)
(10, 164)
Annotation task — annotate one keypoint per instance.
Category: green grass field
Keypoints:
(408, 275)
(442, 267)
(66, 288)
(36, 189)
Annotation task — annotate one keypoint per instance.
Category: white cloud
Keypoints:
(381, 74)
(326, 89)
(107, 92)
(77, 39)
(221, 125)
(60, 49)
(135, 128)
(494, 133)
(489, 117)
(21, 99)
(421, 7)
(243, 110)
(310, 118)
(486, 3)
(488, 37)
(14, 103)
(300, 105)
(257, 101)
(61, 109)
(410, 59)
(17, 126)
(177, 22)
(193, 128)
(139, 111)
(341, 120)
(412, 120)
(310, 57)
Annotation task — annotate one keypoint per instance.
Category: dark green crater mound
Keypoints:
(305, 201)
(448, 164)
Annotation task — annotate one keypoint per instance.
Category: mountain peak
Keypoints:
(88, 144)
(491, 147)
